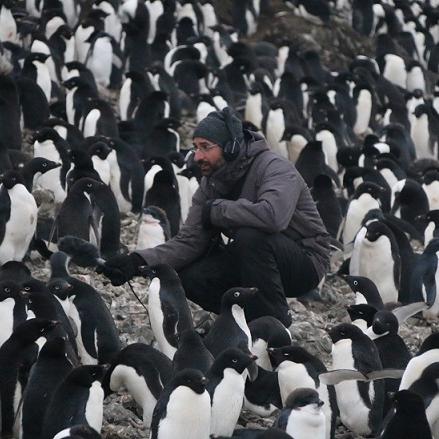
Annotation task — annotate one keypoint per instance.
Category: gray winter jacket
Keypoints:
(273, 197)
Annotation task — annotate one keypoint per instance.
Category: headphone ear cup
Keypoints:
(231, 150)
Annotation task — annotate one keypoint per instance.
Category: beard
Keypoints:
(208, 168)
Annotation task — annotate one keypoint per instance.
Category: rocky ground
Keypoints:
(122, 420)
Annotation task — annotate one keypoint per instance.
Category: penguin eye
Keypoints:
(42, 330)
(7, 290)
(236, 294)
(57, 288)
(27, 288)
(44, 165)
(89, 185)
(355, 282)
(234, 360)
(285, 354)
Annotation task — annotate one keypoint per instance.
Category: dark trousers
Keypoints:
(273, 263)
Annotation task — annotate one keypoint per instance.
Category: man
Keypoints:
(277, 241)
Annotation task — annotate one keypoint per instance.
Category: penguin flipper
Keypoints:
(5, 211)
(337, 376)
(170, 323)
(402, 313)
(88, 334)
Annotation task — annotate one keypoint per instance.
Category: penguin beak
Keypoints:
(252, 370)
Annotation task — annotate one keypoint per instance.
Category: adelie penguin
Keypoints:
(169, 311)
(365, 291)
(18, 220)
(78, 399)
(226, 383)
(142, 371)
(183, 409)
(154, 228)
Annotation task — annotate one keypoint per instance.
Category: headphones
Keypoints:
(232, 148)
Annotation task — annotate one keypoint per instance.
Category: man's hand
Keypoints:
(122, 268)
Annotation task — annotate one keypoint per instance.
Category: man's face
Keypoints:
(208, 155)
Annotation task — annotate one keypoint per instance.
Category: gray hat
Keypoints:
(220, 127)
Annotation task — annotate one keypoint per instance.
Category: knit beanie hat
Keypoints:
(220, 127)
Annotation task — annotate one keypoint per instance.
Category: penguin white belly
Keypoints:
(431, 314)
(329, 147)
(187, 415)
(91, 122)
(203, 109)
(389, 176)
(126, 376)
(149, 177)
(150, 234)
(354, 414)
(94, 409)
(185, 192)
(18, 409)
(70, 109)
(432, 191)
(259, 348)
(291, 376)
(376, 263)
(102, 167)
(421, 138)
(69, 53)
(156, 317)
(125, 98)
(123, 204)
(275, 130)
(364, 112)
(155, 10)
(6, 319)
(86, 358)
(82, 47)
(415, 80)
(21, 225)
(295, 146)
(100, 61)
(253, 109)
(432, 413)
(357, 210)
(428, 233)
(326, 408)
(8, 26)
(227, 403)
(69, 8)
(43, 79)
(394, 70)
(239, 316)
(305, 423)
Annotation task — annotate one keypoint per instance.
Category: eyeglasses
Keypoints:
(203, 148)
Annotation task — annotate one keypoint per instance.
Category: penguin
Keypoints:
(68, 132)
(427, 355)
(154, 228)
(390, 170)
(78, 431)
(99, 153)
(75, 216)
(327, 203)
(226, 383)
(420, 132)
(183, 409)
(164, 194)
(376, 256)
(324, 132)
(297, 138)
(298, 368)
(81, 167)
(393, 68)
(408, 419)
(35, 68)
(230, 328)
(135, 88)
(431, 219)
(13, 356)
(415, 77)
(392, 349)
(97, 337)
(274, 125)
(430, 184)
(267, 332)
(99, 119)
(12, 309)
(50, 145)
(34, 169)
(361, 315)
(365, 291)
(169, 311)
(50, 369)
(78, 399)
(302, 417)
(143, 372)
(192, 353)
(363, 96)
(100, 57)
(366, 197)
(18, 219)
(360, 403)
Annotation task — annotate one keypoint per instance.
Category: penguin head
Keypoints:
(367, 187)
(408, 403)
(348, 156)
(234, 358)
(33, 286)
(431, 342)
(84, 376)
(359, 283)
(385, 322)
(54, 348)
(420, 110)
(345, 331)
(191, 378)
(31, 330)
(88, 185)
(11, 178)
(302, 397)
(46, 134)
(295, 354)
(37, 56)
(9, 289)
(430, 176)
(42, 165)
(82, 432)
(431, 216)
(362, 311)
(60, 288)
(375, 230)
(237, 296)
(99, 149)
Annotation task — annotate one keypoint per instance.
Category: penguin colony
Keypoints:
(102, 89)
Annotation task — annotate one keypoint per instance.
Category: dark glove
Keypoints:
(205, 215)
(122, 268)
